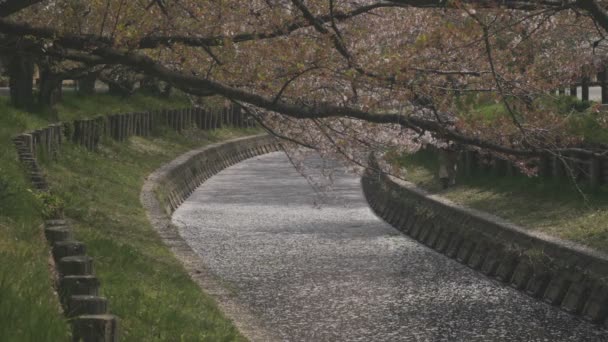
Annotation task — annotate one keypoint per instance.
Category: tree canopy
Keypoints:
(347, 75)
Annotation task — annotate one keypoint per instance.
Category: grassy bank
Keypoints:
(145, 284)
(553, 207)
(147, 287)
(29, 310)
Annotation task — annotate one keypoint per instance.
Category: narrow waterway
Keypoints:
(320, 266)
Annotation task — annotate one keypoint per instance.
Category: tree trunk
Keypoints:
(50, 88)
(21, 81)
(166, 90)
(120, 89)
(86, 85)
(150, 85)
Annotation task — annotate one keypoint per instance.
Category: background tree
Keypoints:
(345, 75)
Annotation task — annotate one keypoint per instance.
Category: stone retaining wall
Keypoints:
(558, 272)
(176, 184)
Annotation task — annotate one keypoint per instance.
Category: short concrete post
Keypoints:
(110, 129)
(115, 127)
(120, 126)
(602, 77)
(125, 127)
(64, 248)
(147, 116)
(76, 265)
(545, 166)
(595, 172)
(100, 126)
(95, 328)
(90, 128)
(573, 90)
(49, 141)
(183, 119)
(146, 123)
(585, 88)
(135, 124)
(92, 133)
(57, 233)
(201, 118)
(169, 119)
(500, 166)
(470, 159)
(131, 131)
(558, 168)
(76, 132)
(134, 119)
(78, 285)
(86, 305)
(82, 139)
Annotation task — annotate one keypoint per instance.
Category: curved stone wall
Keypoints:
(558, 272)
(169, 186)
(178, 179)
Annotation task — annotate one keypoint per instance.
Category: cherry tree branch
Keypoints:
(8, 7)
(154, 41)
(98, 50)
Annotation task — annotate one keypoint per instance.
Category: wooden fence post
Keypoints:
(585, 88)
(85, 134)
(153, 121)
(136, 124)
(470, 162)
(573, 90)
(130, 125)
(595, 172)
(123, 127)
(544, 167)
(180, 120)
(602, 78)
(76, 131)
(500, 166)
(558, 168)
(201, 118)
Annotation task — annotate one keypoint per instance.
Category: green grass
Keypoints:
(75, 106)
(489, 111)
(145, 283)
(553, 207)
(580, 118)
(29, 310)
(147, 287)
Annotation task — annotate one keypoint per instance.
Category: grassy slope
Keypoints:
(146, 286)
(555, 208)
(29, 310)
